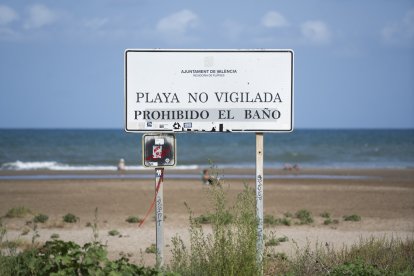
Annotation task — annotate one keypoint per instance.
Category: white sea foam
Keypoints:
(56, 166)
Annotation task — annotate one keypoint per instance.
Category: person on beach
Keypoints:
(206, 178)
(290, 167)
(121, 165)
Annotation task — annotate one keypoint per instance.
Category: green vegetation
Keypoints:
(40, 218)
(113, 233)
(357, 268)
(18, 212)
(326, 215)
(271, 220)
(133, 219)
(230, 249)
(25, 231)
(152, 249)
(226, 218)
(330, 221)
(203, 219)
(274, 241)
(352, 217)
(68, 258)
(70, 218)
(368, 257)
(304, 216)
(225, 247)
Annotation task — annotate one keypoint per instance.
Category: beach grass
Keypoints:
(18, 212)
(371, 256)
(368, 256)
(229, 250)
(231, 247)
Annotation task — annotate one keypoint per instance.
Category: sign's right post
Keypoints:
(259, 200)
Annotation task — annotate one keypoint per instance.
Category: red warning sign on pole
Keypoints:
(159, 150)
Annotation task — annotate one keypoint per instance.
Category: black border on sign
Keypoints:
(158, 135)
(209, 51)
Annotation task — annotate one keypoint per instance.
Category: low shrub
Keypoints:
(326, 215)
(152, 249)
(352, 217)
(133, 219)
(272, 242)
(70, 218)
(68, 258)
(357, 268)
(40, 218)
(330, 221)
(203, 219)
(283, 239)
(304, 216)
(113, 232)
(271, 220)
(226, 218)
(25, 231)
(18, 212)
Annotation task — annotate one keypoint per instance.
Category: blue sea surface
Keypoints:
(81, 149)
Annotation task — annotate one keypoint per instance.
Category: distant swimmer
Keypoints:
(121, 165)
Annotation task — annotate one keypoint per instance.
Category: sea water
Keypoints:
(75, 149)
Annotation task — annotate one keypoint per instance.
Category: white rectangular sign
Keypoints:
(208, 90)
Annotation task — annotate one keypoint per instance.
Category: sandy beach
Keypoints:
(383, 198)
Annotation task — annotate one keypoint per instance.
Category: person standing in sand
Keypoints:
(121, 165)
(205, 177)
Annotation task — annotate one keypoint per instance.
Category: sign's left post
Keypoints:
(159, 216)
(159, 151)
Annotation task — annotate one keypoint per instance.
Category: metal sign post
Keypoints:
(159, 216)
(259, 199)
(159, 151)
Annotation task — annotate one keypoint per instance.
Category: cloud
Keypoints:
(316, 32)
(274, 19)
(178, 23)
(39, 16)
(96, 23)
(7, 15)
(233, 29)
(8, 34)
(401, 31)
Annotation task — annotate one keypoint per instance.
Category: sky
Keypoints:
(62, 62)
